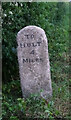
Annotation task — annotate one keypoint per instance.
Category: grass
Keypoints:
(17, 108)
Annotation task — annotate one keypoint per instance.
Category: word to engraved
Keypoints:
(29, 36)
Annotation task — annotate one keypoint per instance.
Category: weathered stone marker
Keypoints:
(34, 61)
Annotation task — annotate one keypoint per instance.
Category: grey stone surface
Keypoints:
(33, 61)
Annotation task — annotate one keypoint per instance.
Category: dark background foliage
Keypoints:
(54, 19)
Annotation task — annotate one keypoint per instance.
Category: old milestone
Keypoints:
(33, 58)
